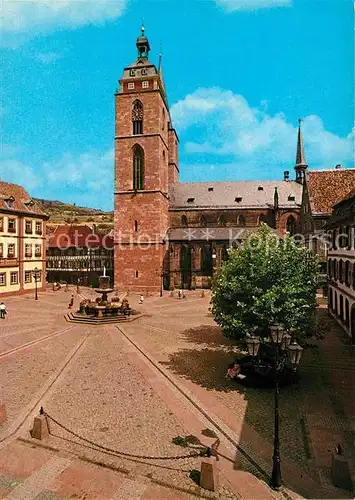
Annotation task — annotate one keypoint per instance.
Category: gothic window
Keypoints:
(137, 118)
(291, 225)
(222, 220)
(262, 219)
(138, 167)
(206, 260)
(203, 221)
(224, 254)
(241, 221)
(184, 222)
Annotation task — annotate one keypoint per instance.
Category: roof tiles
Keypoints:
(327, 187)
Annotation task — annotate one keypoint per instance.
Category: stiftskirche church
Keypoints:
(170, 234)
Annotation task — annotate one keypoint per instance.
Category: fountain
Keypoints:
(102, 310)
(104, 288)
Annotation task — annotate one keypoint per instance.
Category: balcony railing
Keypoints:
(9, 262)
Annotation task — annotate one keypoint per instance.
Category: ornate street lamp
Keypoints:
(253, 344)
(286, 340)
(35, 273)
(295, 353)
(277, 336)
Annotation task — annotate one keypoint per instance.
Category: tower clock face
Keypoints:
(137, 72)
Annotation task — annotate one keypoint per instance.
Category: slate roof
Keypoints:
(224, 194)
(210, 234)
(14, 198)
(66, 236)
(328, 187)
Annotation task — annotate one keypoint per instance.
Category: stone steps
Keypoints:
(91, 320)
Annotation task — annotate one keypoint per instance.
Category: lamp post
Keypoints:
(36, 272)
(281, 340)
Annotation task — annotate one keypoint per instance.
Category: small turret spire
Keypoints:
(301, 164)
(143, 44)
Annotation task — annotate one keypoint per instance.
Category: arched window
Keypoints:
(206, 260)
(222, 220)
(184, 221)
(137, 118)
(291, 225)
(224, 254)
(262, 219)
(203, 221)
(135, 225)
(347, 313)
(241, 221)
(138, 167)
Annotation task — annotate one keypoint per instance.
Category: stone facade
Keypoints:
(170, 234)
(341, 264)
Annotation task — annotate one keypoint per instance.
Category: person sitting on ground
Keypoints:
(233, 371)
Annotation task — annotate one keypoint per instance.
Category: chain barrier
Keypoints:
(205, 451)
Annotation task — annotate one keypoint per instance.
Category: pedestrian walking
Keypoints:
(71, 303)
(141, 299)
(3, 310)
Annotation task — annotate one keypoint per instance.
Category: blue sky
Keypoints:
(239, 73)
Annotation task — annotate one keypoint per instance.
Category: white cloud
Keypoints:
(229, 127)
(38, 16)
(232, 5)
(47, 57)
(87, 177)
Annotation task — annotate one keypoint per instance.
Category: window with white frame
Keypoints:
(11, 225)
(38, 250)
(13, 278)
(1, 250)
(145, 84)
(11, 250)
(2, 279)
(28, 250)
(130, 85)
(28, 276)
(38, 227)
(28, 227)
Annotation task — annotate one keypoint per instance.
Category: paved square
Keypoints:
(134, 388)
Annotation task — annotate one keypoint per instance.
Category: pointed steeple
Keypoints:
(301, 164)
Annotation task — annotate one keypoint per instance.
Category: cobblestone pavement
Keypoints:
(90, 380)
(315, 414)
(93, 380)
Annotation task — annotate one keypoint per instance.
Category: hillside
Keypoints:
(61, 213)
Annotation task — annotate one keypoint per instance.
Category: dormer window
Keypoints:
(238, 199)
(190, 200)
(10, 202)
(210, 189)
(260, 188)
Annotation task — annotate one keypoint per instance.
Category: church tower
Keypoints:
(145, 163)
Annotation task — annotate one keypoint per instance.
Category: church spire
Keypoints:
(301, 164)
(143, 45)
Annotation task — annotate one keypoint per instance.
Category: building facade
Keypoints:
(22, 242)
(76, 254)
(341, 264)
(322, 189)
(170, 234)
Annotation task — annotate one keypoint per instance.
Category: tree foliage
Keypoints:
(269, 279)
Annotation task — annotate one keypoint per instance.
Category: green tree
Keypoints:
(269, 279)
